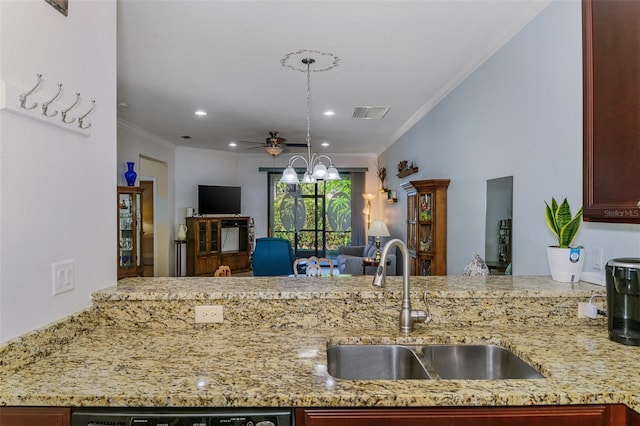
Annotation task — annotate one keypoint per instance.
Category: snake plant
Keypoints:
(562, 223)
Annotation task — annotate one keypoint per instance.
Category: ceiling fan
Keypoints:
(274, 145)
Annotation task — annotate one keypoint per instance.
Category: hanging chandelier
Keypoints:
(315, 169)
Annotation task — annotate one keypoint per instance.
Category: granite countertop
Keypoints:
(96, 359)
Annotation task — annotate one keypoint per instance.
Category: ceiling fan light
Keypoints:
(274, 151)
(289, 176)
(332, 173)
(319, 171)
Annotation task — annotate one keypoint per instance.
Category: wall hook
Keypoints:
(81, 118)
(65, 111)
(23, 97)
(45, 105)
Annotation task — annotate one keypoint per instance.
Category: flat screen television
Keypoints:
(214, 199)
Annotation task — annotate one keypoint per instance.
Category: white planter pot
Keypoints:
(565, 263)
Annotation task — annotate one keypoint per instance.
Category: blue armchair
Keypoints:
(272, 256)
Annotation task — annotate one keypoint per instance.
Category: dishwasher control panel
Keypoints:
(181, 417)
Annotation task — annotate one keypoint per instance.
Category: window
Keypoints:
(315, 218)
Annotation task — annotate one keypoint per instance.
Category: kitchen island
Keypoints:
(139, 345)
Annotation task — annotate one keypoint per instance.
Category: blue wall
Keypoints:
(519, 114)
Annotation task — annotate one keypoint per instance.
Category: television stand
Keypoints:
(216, 241)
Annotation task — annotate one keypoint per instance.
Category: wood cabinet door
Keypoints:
(35, 416)
(611, 148)
(587, 415)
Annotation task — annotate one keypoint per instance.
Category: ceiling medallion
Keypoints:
(323, 61)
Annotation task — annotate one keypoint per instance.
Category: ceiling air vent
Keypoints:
(370, 113)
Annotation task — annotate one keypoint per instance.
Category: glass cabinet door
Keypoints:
(126, 230)
(138, 229)
(202, 237)
(412, 213)
(213, 236)
(129, 232)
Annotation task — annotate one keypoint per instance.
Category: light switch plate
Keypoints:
(62, 274)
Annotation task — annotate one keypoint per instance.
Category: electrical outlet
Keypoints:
(208, 314)
(583, 306)
(597, 259)
(62, 277)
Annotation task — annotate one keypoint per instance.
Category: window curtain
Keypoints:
(358, 231)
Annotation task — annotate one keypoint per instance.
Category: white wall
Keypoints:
(56, 187)
(520, 115)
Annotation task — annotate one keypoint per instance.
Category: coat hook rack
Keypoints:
(45, 105)
(23, 97)
(46, 109)
(64, 112)
(81, 118)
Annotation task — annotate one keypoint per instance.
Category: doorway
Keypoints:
(148, 226)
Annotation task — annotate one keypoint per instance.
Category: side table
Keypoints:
(370, 261)
(179, 244)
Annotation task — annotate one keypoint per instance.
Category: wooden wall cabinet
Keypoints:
(129, 232)
(427, 225)
(216, 241)
(35, 416)
(611, 146)
(582, 415)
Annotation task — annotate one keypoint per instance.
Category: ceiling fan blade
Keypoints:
(297, 145)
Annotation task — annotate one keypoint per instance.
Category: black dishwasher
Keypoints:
(181, 417)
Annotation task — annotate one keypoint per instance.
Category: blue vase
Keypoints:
(130, 175)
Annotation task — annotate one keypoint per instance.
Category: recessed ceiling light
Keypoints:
(200, 113)
(329, 113)
(325, 144)
(233, 144)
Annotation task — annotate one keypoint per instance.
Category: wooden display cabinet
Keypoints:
(129, 248)
(216, 241)
(427, 225)
(611, 147)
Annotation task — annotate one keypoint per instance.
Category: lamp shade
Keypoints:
(289, 176)
(332, 173)
(378, 229)
(319, 171)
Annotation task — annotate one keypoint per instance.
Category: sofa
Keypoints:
(349, 260)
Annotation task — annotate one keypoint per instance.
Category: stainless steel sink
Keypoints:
(374, 362)
(488, 362)
(405, 362)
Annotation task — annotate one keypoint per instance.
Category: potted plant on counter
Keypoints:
(565, 261)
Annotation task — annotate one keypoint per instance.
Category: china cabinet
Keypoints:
(611, 146)
(129, 232)
(427, 225)
(216, 241)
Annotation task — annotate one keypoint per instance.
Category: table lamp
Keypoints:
(378, 229)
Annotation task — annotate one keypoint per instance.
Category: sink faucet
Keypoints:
(407, 316)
